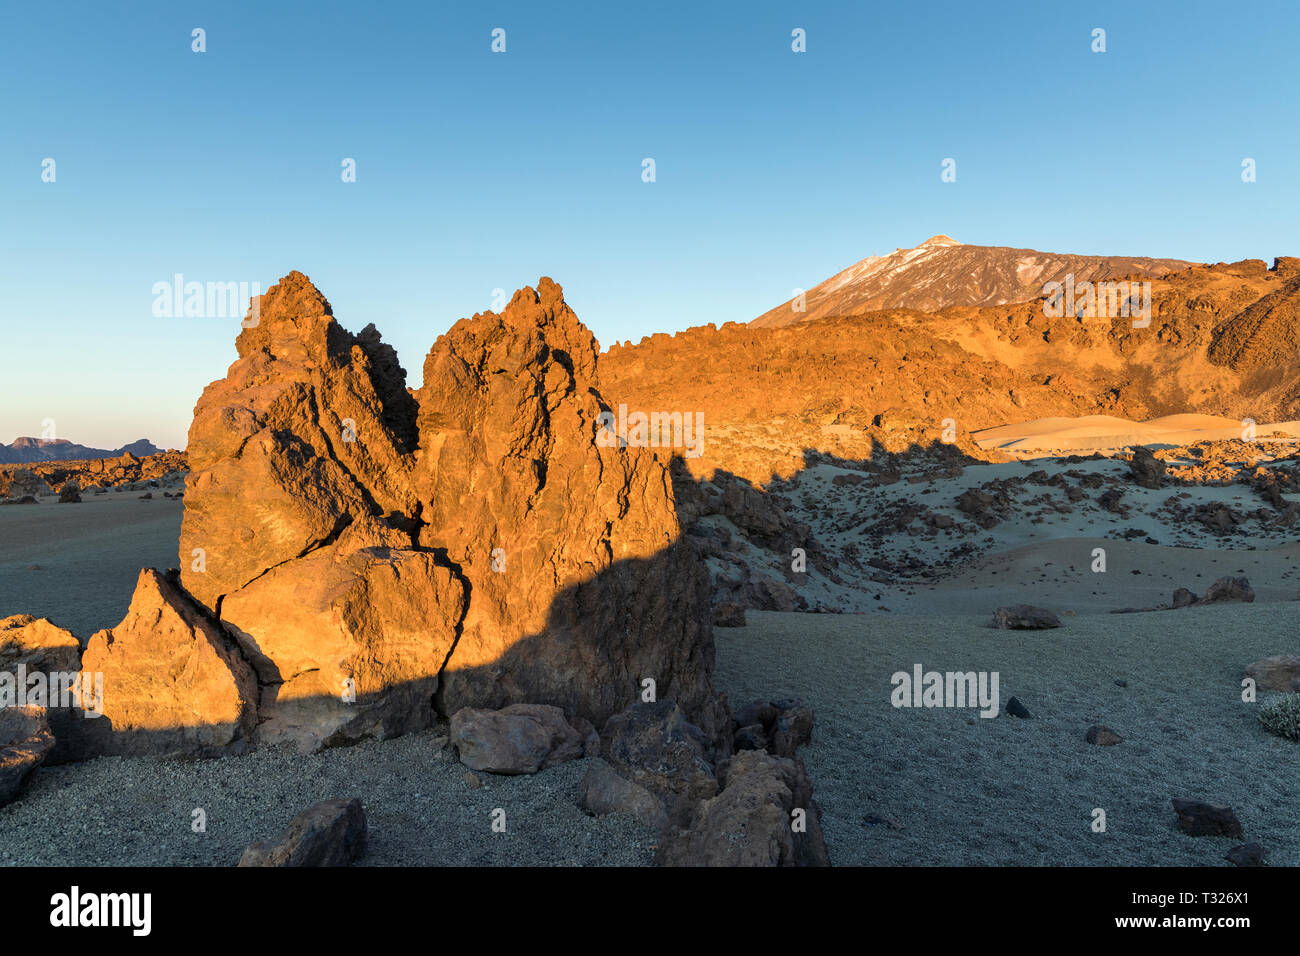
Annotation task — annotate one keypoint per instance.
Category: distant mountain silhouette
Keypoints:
(25, 450)
(943, 272)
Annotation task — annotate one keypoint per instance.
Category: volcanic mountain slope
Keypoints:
(25, 450)
(943, 272)
(1217, 344)
(857, 442)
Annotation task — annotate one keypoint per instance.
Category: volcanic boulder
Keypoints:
(331, 833)
(1281, 672)
(764, 815)
(25, 739)
(172, 681)
(521, 738)
(30, 645)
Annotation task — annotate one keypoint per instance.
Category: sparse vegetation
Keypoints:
(1282, 716)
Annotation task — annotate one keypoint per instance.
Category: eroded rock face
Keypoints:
(347, 642)
(173, 682)
(482, 544)
(580, 585)
(310, 432)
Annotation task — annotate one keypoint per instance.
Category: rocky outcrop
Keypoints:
(126, 471)
(580, 588)
(477, 544)
(331, 833)
(22, 482)
(172, 682)
(1147, 470)
(36, 644)
(310, 432)
(1228, 590)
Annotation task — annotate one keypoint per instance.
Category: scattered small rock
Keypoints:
(331, 833)
(1102, 736)
(1198, 818)
(1281, 672)
(1248, 854)
(1024, 617)
(1229, 589)
(728, 614)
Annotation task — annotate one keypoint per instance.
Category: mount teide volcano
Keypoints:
(942, 272)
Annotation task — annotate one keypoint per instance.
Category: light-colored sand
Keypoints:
(87, 556)
(1103, 433)
(1058, 574)
(1006, 791)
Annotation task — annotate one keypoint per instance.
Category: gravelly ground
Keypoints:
(420, 810)
(1008, 792)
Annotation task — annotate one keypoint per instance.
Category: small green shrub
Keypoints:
(1282, 716)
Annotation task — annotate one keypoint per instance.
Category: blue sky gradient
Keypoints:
(478, 171)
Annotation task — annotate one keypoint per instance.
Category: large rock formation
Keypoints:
(580, 589)
(360, 547)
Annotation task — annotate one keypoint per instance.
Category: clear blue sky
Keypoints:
(478, 170)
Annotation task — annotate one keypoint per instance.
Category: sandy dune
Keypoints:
(1102, 433)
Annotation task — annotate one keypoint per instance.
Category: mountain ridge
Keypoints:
(943, 272)
(25, 450)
